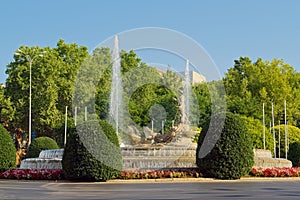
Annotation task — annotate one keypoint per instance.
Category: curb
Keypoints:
(207, 180)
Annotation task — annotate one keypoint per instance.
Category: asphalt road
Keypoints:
(258, 189)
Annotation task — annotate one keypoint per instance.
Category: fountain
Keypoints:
(173, 149)
(187, 90)
(115, 107)
(48, 159)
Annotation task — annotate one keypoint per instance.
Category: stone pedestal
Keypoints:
(158, 157)
(48, 159)
(264, 159)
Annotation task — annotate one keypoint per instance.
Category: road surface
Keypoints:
(131, 190)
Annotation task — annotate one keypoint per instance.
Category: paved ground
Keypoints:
(161, 189)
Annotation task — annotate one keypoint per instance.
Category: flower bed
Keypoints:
(57, 174)
(276, 172)
(164, 173)
(33, 174)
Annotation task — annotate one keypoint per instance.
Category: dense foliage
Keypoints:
(6, 109)
(250, 84)
(294, 153)
(293, 135)
(53, 77)
(232, 155)
(40, 144)
(148, 94)
(7, 150)
(92, 153)
(255, 129)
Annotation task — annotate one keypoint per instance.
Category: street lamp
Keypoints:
(30, 60)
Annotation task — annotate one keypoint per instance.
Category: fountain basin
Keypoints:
(151, 157)
(41, 163)
(48, 159)
(157, 157)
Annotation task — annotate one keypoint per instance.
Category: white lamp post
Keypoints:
(30, 60)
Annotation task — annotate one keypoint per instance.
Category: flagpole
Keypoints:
(264, 127)
(273, 124)
(285, 130)
(279, 140)
(66, 125)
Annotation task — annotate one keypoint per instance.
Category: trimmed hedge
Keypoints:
(40, 144)
(7, 151)
(232, 155)
(92, 153)
(294, 153)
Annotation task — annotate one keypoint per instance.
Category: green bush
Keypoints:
(39, 144)
(7, 151)
(255, 129)
(92, 153)
(294, 153)
(232, 155)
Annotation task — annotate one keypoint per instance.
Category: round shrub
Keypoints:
(232, 155)
(92, 153)
(255, 129)
(294, 153)
(7, 151)
(39, 144)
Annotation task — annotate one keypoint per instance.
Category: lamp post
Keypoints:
(30, 60)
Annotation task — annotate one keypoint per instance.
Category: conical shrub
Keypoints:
(92, 153)
(7, 151)
(232, 155)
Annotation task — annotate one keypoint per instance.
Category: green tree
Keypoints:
(293, 134)
(210, 99)
(255, 129)
(204, 103)
(6, 109)
(129, 61)
(250, 84)
(147, 91)
(52, 85)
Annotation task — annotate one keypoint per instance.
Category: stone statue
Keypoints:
(180, 130)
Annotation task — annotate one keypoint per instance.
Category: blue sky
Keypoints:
(226, 29)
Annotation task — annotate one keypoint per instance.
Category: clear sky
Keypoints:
(227, 29)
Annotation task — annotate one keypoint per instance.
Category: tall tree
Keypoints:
(52, 85)
(249, 84)
(6, 109)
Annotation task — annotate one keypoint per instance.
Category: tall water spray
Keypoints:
(187, 90)
(115, 106)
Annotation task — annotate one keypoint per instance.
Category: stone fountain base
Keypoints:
(134, 157)
(48, 159)
(152, 157)
(264, 159)
(156, 157)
